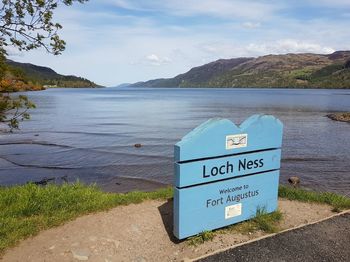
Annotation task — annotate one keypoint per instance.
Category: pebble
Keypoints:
(81, 254)
(135, 229)
(140, 259)
(92, 238)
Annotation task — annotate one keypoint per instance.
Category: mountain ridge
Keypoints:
(47, 77)
(301, 70)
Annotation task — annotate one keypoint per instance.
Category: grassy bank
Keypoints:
(338, 202)
(26, 210)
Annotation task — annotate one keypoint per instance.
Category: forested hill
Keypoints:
(45, 76)
(285, 71)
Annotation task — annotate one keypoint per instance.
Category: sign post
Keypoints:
(225, 173)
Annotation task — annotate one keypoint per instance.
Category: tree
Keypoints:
(25, 25)
(28, 24)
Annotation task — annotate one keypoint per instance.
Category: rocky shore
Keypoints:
(343, 117)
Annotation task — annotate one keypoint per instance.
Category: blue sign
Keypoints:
(225, 173)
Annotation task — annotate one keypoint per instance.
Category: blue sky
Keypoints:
(117, 41)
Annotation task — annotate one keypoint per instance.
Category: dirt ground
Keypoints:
(139, 233)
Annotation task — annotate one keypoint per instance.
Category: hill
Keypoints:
(273, 71)
(45, 76)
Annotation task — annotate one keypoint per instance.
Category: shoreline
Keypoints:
(129, 184)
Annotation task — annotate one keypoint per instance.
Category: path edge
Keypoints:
(266, 236)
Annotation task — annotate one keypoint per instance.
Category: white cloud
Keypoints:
(284, 46)
(251, 25)
(110, 48)
(155, 60)
(331, 3)
(217, 8)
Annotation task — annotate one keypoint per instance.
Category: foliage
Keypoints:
(266, 222)
(201, 238)
(47, 77)
(27, 209)
(271, 71)
(10, 110)
(347, 64)
(28, 24)
(25, 25)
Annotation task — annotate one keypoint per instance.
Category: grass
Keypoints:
(262, 221)
(201, 238)
(26, 210)
(338, 202)
(269, 222)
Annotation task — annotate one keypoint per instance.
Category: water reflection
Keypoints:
(89, 133)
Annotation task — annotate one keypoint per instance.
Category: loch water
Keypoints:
(89, 134)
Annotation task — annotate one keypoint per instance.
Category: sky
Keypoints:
(124, 41)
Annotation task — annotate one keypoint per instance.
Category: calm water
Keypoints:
(89, 133)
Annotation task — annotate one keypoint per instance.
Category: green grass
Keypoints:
(201, 238)
(269, 222)
(338, 202)
(26, 210)
(262, 221)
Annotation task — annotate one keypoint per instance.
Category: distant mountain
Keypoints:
(47, 77)
(124, 85)
(285, 71)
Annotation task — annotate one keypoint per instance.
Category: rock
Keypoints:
(137, 145)
(81, 254)
(140, 259)
(294, 180)
(341, 116)
(92, 238)
(135, 229)
(116, 243)
(44, 181)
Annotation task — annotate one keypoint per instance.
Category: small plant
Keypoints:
(336, 209)
(201, 238)
(262, 221)
(267, 222)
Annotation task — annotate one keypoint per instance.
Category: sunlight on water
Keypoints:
(90, 133)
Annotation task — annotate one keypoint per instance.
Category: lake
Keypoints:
(89, 134)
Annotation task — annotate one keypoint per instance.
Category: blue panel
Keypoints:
(218, 204)
(211, 138)
(225, 173)
(204, 171)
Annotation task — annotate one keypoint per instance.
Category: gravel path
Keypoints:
(141, 232)
(325, 241)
